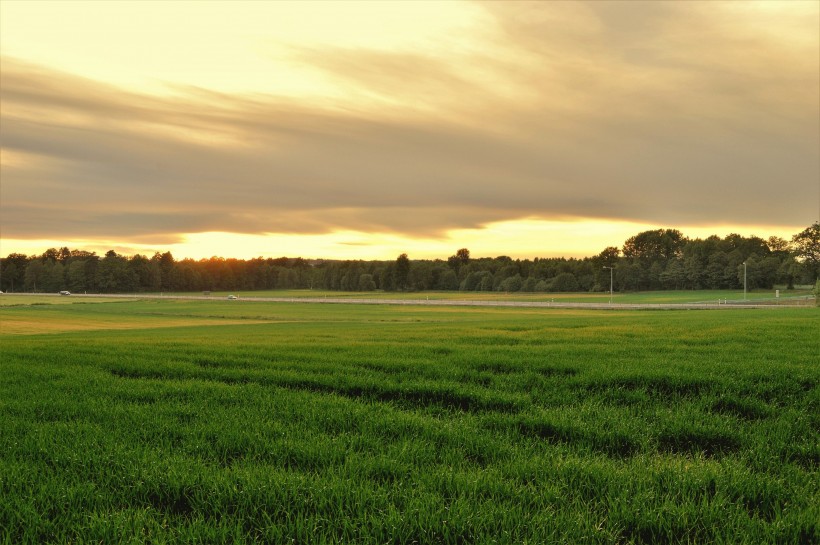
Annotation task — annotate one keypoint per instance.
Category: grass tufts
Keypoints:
(747, 409)
(695, 440)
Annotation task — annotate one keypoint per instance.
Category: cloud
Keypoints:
(669, 113)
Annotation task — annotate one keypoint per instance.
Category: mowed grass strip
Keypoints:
(28, 299)
(43, 318)
(356, 424)
(646, 297)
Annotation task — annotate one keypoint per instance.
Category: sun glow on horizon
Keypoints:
(521, 239)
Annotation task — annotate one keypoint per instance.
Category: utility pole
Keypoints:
(744, 280)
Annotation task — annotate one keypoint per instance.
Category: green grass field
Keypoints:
(178, 421)
(681, 296)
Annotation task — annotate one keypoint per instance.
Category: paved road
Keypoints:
(461, 303)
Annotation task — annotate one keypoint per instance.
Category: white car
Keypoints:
(232, 297)
(65, 292)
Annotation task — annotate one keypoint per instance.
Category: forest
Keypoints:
(651, 260)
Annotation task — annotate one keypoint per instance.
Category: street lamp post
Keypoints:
(744, 280)
(610, 283)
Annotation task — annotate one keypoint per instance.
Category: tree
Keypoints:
(113, 274)
(35, 272)
(402, 272)
(144, 270)
(654, 275)
(76, 276)
(350, 279)
(628, 276)
(165, 264)
(661, 244)
(695, 272)
(529, 284)
(734, 259)
(511, 284)
(286, 279)
(715, 270)
(9, 275)
(52, 254)
(458, 261)
(806, 247)
(674, 276)
(564, 282)
(769, 267)
(14, 271)
(185, 276)
(751, 273)
(421, 276)
(787, 272)
(366, 282)
(609, 256)
(778, 246)
(387, 279)
(63, 255)
(55, 277)
(487, 281)
(447, 280)
(472, 281)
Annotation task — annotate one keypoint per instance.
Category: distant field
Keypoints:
(659, 297)
(683, 296)
(184, 421)
(28, 299)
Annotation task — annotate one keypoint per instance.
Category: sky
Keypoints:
(362, 130)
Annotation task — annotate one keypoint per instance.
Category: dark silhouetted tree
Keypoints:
(35, 274)
(659, 244)
(806, 248)
(75, 276)
(402, 272)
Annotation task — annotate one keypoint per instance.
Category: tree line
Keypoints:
(660, 259)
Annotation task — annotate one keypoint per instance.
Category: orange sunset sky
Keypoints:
(361, 130)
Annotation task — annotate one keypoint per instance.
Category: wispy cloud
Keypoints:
(673, 113)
